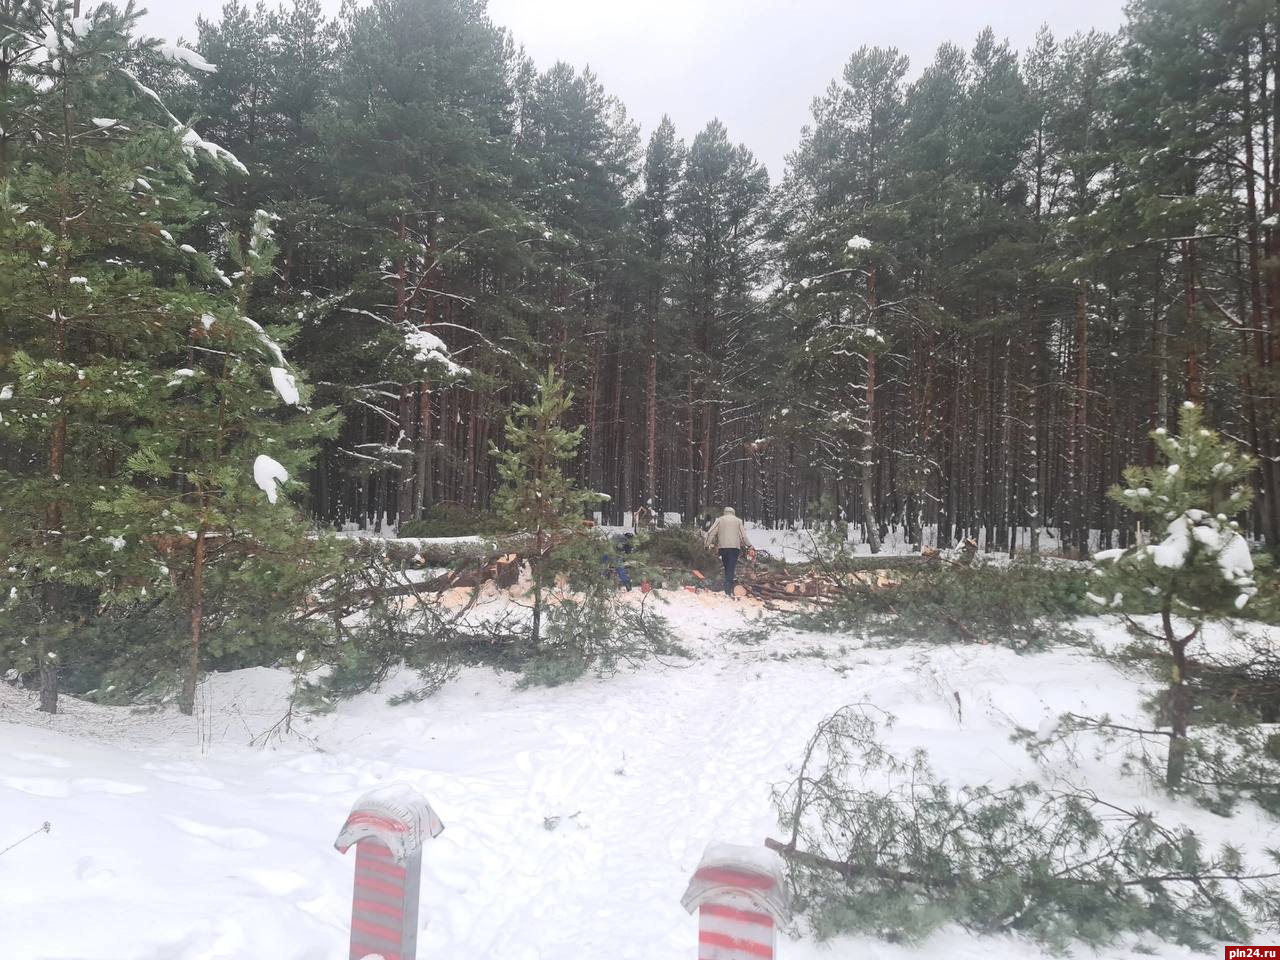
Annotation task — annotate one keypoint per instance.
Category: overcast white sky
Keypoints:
(755, 64)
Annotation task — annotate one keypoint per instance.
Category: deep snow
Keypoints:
(573, 816)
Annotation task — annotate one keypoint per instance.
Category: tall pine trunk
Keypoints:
(1179, 698)
(1195, 389)
(191, 675)
(869, 434)
(1080, 428)
(651, 417)
(1268, 505)
(423, 452)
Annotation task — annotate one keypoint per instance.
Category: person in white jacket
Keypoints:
(728, 535)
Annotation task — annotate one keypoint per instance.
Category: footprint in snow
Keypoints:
(37, 786)
(89, 871)
(296, 797)
(230, 838)
(43, 759)
(192, 780)
(94, 785)
(278, 882)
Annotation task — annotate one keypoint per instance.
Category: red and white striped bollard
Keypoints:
(741, 900)
(388, 827)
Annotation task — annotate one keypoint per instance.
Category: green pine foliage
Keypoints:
(233, 431)
(1025, 606)
(537, 497)
(880, 844)
(138, 390)
(1050, 239)
(96, 294)
(1198, 566)
(594, 623)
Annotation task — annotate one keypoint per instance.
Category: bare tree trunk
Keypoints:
(691, 478)
(423, 453)
(869, 434)
(1179, 699)
(1011, 449)
(621, 467)
(1034, 508)
(52, 594)
(869, 460)
(1195, 391)
(705, 452)
(473, 427)
(191, 675)
(1080, 494)
(48, 685)
(535, 631)
(1160, 353)
(651, 417)
(593, 417)
(405, 475)
(1268, 505)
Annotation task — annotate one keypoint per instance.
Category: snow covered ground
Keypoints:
(174, 839)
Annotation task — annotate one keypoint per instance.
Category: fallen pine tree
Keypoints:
(437, 552)
(879, 844)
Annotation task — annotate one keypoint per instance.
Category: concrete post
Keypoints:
(388, 827)
(740, 898)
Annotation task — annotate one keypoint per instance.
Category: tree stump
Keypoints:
(507, 571)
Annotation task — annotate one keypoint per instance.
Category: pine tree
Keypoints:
(223, 440)
(654, 209)
(720, 214)
(129, 392)
(537, 496)
(843, 240)
(95, 290)
(1201, 567)
(422, 232)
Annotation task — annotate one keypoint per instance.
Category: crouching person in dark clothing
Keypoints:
(617, 563)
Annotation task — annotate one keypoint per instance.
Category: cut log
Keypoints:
(437, 552)
(911, 561)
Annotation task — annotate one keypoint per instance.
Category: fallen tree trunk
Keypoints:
(912, 561)
(927, 558)
(503, 570)
(442, 552)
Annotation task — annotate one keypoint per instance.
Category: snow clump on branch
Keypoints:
(268, 474)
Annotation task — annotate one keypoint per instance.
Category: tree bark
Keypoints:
(868, 460)
(1179, 699)
(651, 416)
(1195, 389)
(191, 675)
(423, 454)
(1269, 505)
(1080, 493)
(869, 434)
(48, 685)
